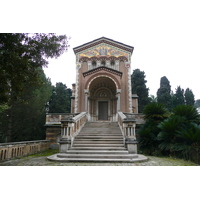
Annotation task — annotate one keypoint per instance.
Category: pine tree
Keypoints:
(60, 99)
(179, 97)
(138, 83)
(164, 93)
(189, 97)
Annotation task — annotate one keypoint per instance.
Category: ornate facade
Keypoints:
(103, 80)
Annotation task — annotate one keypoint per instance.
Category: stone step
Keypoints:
(140, 158)
(98, 148)
(98, 137)
(67, 155)
(98, 141)
(97, 152)
(98, 145)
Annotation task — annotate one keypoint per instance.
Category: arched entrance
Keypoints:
(102, 100)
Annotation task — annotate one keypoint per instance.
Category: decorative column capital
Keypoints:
(86, 91)
(118, 91)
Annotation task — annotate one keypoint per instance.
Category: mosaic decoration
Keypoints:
(103, 50)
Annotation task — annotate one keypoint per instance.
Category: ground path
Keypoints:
(42, 161)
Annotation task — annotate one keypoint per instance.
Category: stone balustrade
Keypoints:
(19, 149)
(70, 128)
(127, 124)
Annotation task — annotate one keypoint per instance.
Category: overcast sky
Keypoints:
(165, 35)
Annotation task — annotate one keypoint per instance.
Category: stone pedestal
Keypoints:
(64, 145)
(131, 145)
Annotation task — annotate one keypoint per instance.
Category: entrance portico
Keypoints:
(102, 99)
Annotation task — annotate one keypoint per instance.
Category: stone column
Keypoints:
(118, 99)
(86, 100)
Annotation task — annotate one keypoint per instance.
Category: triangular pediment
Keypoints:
(103, 47)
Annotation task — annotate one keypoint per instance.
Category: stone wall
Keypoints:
(19, 149)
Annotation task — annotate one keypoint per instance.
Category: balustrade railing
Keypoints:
(23, 148)
(71, 126)
(127, 124)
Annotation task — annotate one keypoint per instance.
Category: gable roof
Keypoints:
(106, 41)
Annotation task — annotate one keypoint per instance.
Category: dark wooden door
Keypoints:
(103, 110)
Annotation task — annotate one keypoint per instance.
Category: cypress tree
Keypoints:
(189, 97)
(164, 93)
(179, 97)
(138, 83)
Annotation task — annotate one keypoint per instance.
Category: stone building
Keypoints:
(102, 90)
(103, 80)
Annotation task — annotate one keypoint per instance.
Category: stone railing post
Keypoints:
(67, 126)
(127, 125)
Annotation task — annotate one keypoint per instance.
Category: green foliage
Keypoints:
(147, 137)
(155, 111)
(60, 101)
(164, 93)
(21, 56)
(189, 97)
(168, 132)
(138, 83)
(26, 118)
(178, 98)
(187, 111)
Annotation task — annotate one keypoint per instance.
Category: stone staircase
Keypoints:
(98, 142)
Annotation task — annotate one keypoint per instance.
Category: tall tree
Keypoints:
(60, 101)
(164, 93)
(28, 113)
(179, 97)
(138, 83)
(189, 97)
(21, 56)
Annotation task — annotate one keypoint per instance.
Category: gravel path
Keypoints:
(43, 161)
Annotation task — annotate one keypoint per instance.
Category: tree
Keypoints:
(180, 133)
(138, 83)
(187, 111)
(155, 111)
(154, 114)
(28, 113)
(60, 101)
(164, 93)
(21, 55)
(179, 97)
(189, 97)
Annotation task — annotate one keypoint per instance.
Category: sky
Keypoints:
(165, 35)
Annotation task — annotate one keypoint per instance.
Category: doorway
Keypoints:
(103, 110)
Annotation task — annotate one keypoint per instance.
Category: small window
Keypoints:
(103, 62)
(94, 64)
(112, 62)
